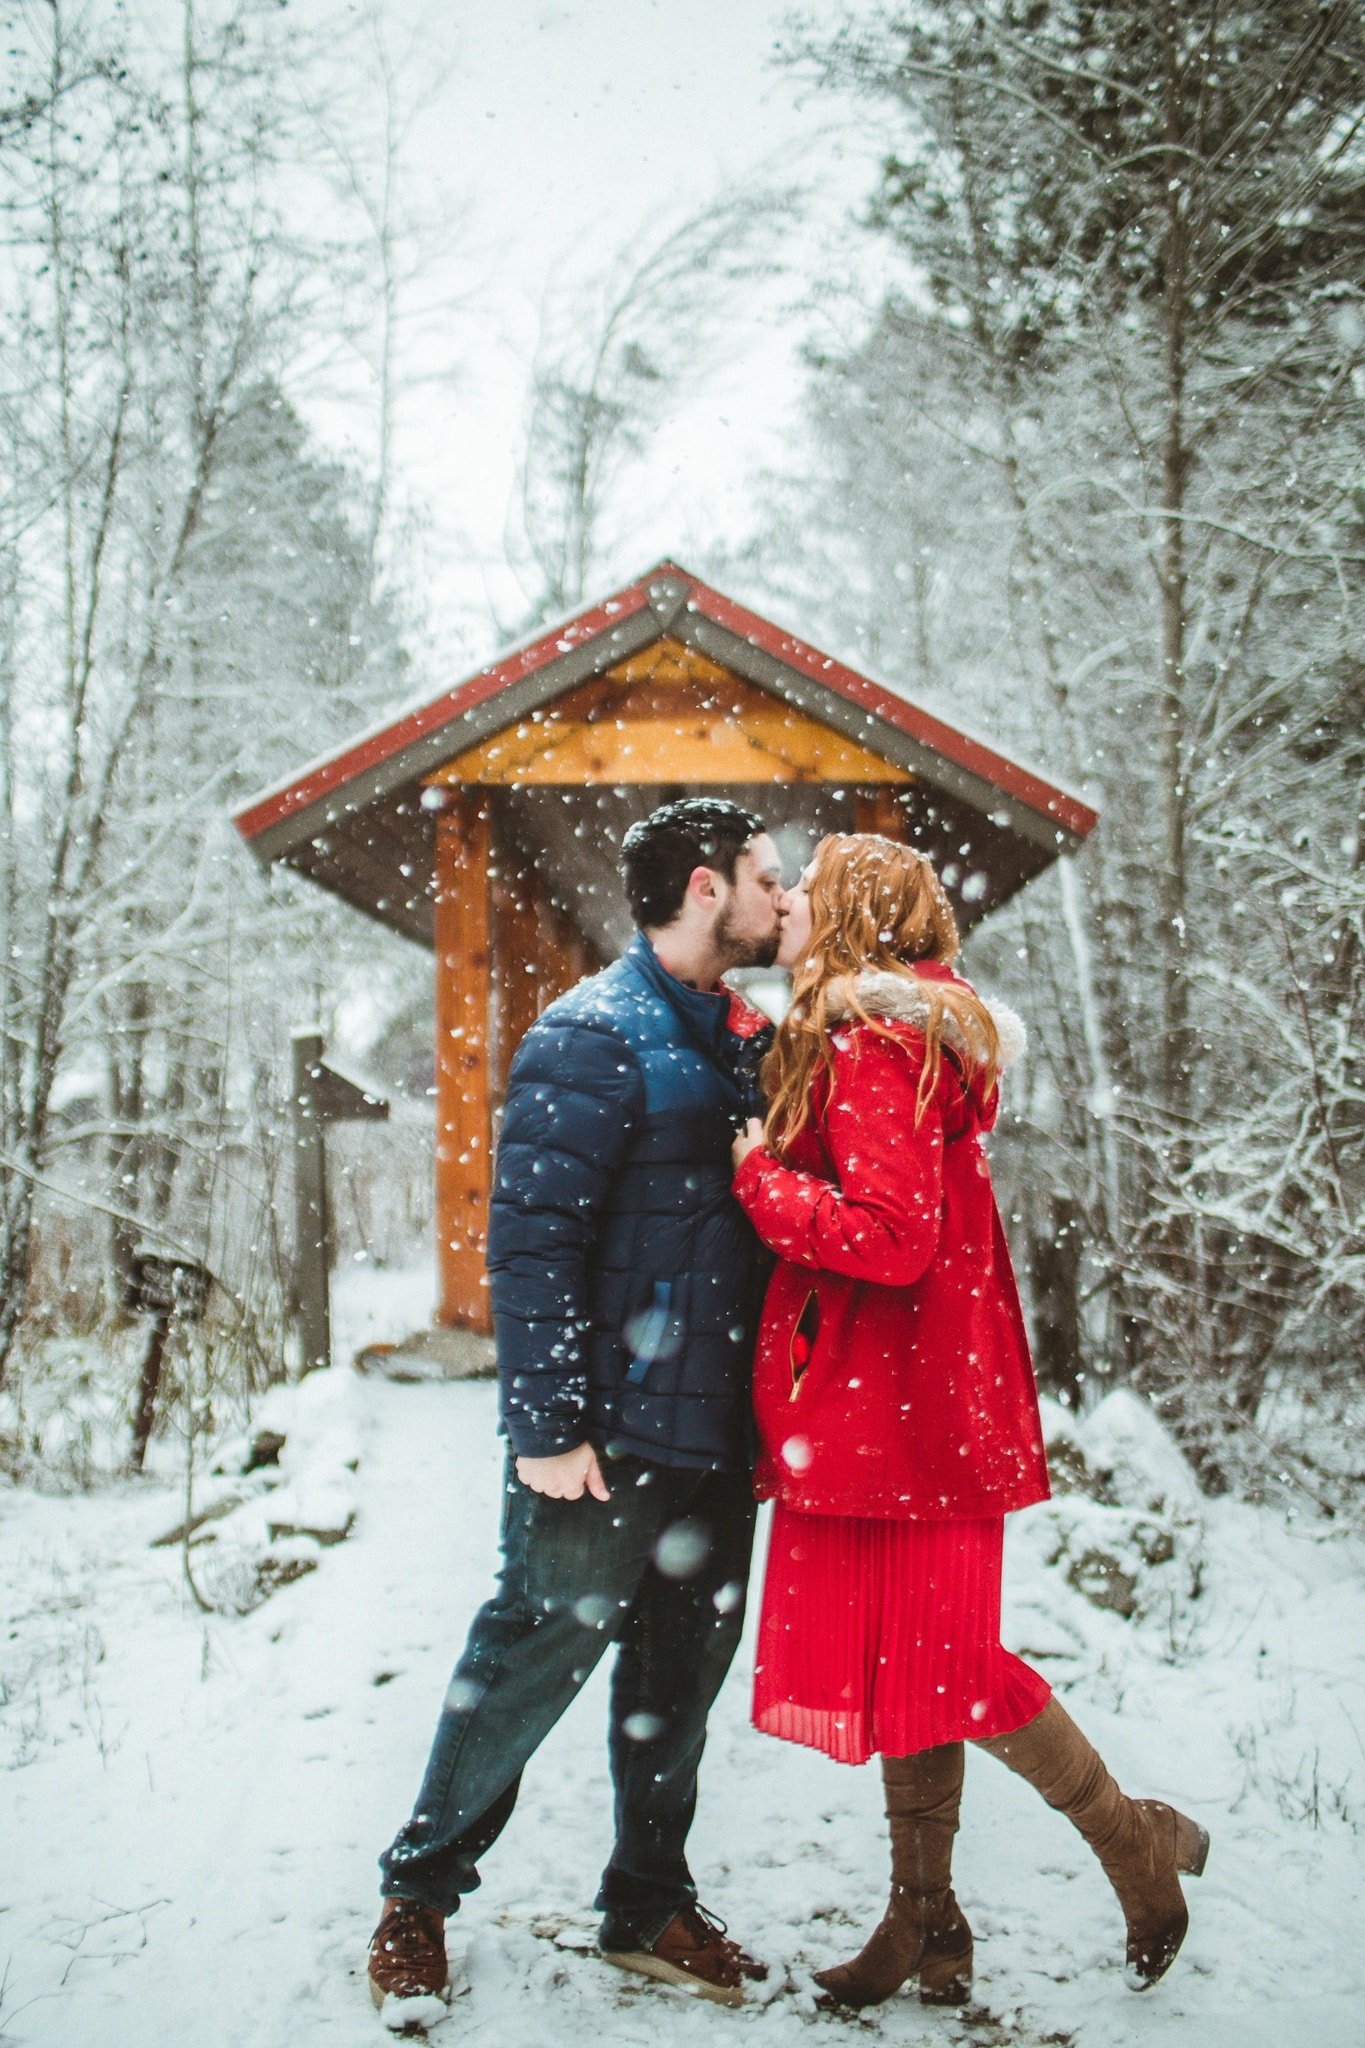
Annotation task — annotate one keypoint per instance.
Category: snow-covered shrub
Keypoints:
(64, 1416)
(242, 1567)
(1133, 1563)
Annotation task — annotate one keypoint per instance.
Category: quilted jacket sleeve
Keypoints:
(880, 1220)
(574, 1098)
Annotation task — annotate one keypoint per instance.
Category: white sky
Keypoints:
(556, 133)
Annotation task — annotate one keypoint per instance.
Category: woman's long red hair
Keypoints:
(878, 906)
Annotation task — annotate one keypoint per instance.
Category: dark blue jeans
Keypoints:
(660, 1570)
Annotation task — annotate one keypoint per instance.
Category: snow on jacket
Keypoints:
(625, 1278)
(892, 1375)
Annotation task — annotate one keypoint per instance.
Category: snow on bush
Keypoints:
(65, 1414)
(1124, 1527)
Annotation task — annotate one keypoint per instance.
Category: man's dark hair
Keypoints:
(660, 852)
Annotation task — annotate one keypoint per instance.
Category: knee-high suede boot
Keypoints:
(922, 1931)
(1142, 1845)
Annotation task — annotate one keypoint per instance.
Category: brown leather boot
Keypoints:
(696, 1952)
(408, 1953)
(1142, 1845)
(923, 1932)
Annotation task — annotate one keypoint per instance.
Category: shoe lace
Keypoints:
(410, 1935)
(711, 1925)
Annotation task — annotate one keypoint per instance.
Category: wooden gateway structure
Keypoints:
(485, 823)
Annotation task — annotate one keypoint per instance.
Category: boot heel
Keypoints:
(1191, 1846)
(946, 1979)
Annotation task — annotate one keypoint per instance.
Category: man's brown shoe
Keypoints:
(695, 1952)
(408, 1952)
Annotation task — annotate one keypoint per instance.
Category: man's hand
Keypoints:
(565, 1477)
(750, 1139)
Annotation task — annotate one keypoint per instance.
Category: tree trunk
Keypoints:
(1056, 1239)
(1173, 891)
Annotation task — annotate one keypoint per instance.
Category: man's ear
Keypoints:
(701, 884)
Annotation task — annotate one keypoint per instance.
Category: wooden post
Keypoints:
(312, 1224)
(171, 1291)
(148, 1389)
(321, 1097)
(463, 1099)
(516, 963)
(565, 955)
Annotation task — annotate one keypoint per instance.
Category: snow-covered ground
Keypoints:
(193, 1804)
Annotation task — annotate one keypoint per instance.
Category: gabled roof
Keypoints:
(353, 818)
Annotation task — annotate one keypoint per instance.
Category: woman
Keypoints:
(898, 1420)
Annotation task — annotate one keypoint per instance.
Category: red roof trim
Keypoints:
(322, 778)
(931, 732)
(338, 769)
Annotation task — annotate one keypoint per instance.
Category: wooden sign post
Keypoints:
(168, 1291)
(321, 1096)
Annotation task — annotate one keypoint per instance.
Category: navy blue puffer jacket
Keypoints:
(625, 1277)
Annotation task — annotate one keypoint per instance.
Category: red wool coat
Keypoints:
(892, 1376)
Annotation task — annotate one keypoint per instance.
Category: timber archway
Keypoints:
(484, 823)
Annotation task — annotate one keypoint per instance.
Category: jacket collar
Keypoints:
(705, 1012)
(886, 993)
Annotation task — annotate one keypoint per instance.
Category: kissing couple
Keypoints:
(730, 1262)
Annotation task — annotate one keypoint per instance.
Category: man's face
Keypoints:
(749, 925)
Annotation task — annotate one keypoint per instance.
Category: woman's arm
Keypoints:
(880, 1221)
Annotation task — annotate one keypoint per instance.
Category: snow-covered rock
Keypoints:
(317, 1418)
(320, 1501)
(1124, 1526)
(1120, 1453)
(1132, 1563)
(297, 1507)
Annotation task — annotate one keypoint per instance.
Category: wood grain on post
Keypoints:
(463, 1101)
(565, 955)
(312, 1223)
(516, 972)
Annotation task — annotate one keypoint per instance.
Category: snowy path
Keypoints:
(191, 1823)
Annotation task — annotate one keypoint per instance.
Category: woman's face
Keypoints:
(791, 948)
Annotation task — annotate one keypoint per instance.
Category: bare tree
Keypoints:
(617, 355)
(174, 556)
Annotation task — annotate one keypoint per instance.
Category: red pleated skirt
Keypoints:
(883, 1637)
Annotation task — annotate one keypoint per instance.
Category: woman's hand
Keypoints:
(750, 1139)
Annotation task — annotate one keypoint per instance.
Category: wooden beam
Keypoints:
(879, 810)
(668, 715)
(671, 657)
(313, 1243)
(463, 1104)
(769, 745)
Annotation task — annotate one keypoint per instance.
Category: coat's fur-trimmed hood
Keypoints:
(884, 993)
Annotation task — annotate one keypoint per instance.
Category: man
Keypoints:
(625, 1284)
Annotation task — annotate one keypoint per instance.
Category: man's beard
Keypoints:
(744, 952)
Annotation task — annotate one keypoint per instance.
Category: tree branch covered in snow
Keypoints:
(1089, 478)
